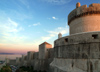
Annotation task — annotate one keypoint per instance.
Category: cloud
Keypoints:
(36, 24)
(57, 2)
(12, 22)
(52, 34)
(54, 18)
(8, 26)
(11, 26)
(9, 31)
(45, 38)
(55, 32)
(25, 2)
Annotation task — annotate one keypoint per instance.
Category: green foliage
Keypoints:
(28, 69)
(6, 69)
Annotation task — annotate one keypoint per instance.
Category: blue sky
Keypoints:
(24, 24)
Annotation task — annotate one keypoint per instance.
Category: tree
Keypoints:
(5, 69)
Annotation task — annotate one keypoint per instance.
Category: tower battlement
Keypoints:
(83, 11)
(84, 19)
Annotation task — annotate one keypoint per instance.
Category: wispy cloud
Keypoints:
(57, 2)
(9, 32)
(54, 17)
(53, 33)
(9, 26)
(36, 24)
(25, 2)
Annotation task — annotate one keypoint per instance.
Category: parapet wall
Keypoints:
(78, 46)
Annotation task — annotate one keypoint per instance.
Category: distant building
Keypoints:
(12, 62)
(43, 50)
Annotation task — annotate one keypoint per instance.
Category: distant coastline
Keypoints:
(10, 54)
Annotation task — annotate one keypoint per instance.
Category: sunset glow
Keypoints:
(24, 24)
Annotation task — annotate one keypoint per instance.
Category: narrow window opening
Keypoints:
(66, 40)
(95, 36)
(91, 67)
(72, 64)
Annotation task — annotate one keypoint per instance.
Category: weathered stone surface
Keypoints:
(43, 50)
(83, 46)
(75, 65)
(41, 64)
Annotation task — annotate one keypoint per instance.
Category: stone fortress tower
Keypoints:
(80, 51)
(84, 19)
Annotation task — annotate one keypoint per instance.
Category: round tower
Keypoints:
(84, 19)
(59, 35)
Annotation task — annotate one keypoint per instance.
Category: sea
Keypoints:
(12, 56)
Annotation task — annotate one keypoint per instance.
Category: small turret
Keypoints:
(59, 35)
(78, 5)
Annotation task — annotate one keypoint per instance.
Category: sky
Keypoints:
(24, 24)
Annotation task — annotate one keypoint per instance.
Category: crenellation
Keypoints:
(78, 5)
(94, 5)
(80, 18)
(84, 10)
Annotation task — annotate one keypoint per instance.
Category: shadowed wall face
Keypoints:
(42, 51)
(30, 55)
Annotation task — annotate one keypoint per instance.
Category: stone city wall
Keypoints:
(78, 46)
(75, 65)
(12, 62)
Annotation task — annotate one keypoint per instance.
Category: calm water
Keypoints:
(2, 57)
